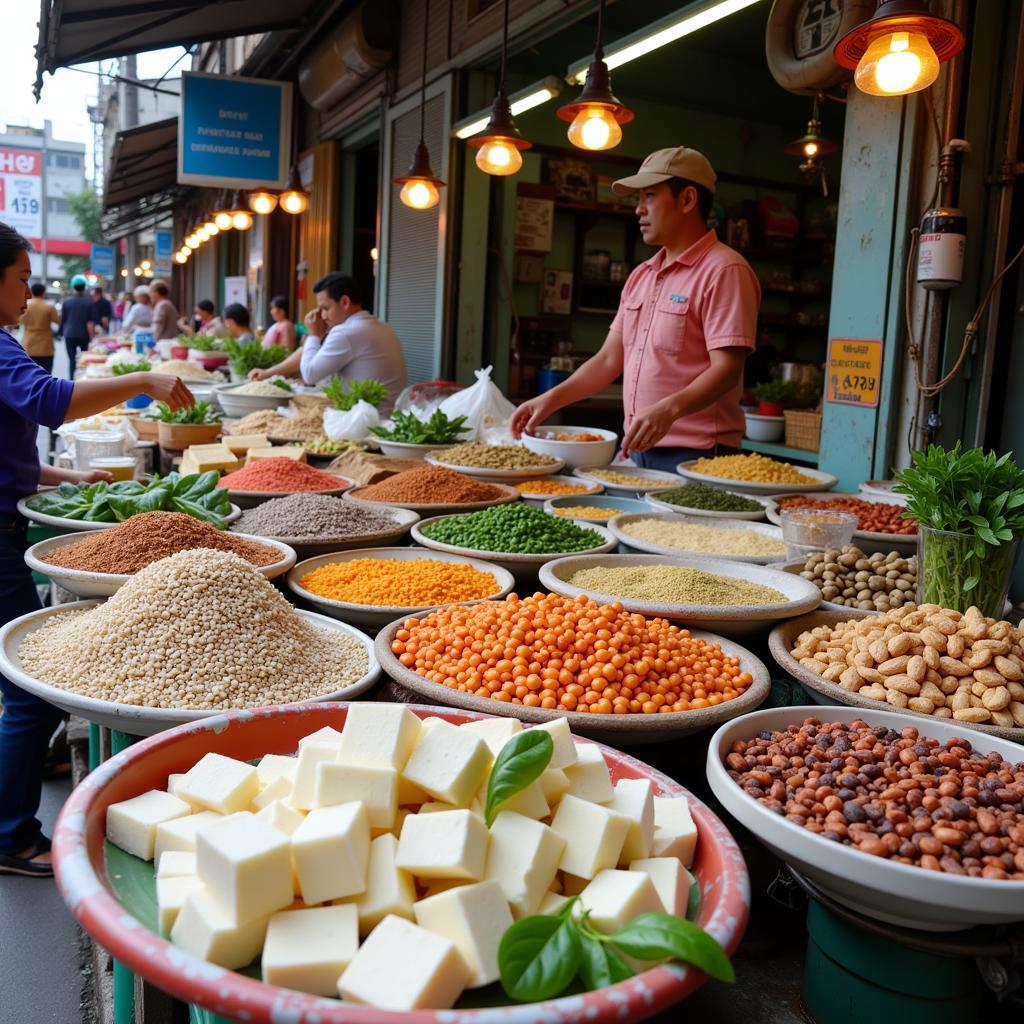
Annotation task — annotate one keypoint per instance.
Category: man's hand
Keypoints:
(527, 417)
(164, 388)
(315, 323)
(648, 428)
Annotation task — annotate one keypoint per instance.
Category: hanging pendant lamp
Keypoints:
(222, 212)
(294, 199)
(262, 201)
(812, 145)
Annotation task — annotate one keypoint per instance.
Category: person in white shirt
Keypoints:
(140, 313)
(345, 340)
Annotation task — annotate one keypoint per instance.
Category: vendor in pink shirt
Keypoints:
(685, 326)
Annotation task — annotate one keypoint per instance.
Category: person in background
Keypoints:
(76, 321)
(140, 313)
(38, 322)
(344, 340)
(120, 308)
(282, 330)
(103, 310)
(204, 321)
(30, 397)
(237, 322)
(165, 316)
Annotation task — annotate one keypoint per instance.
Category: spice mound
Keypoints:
(387, 582)
(185, 370)
(875, 582)
(873, 516)
(754, 468)
(201, 630)
(519, 529)
(549, 486)
(675, 584)
(553, 652)
(312, 517)
(898, 795)
(586, 512)
(927, 659)
(492, 456)
(150, 536)
(620, 479)
(262, 389)
(432, 485)
(710, 499)
(709, 540)
(281, 475)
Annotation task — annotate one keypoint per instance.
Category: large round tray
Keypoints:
(130, 718)
(899, 894)
(103, 584)
(823, 481)
(379, 615)
(502, 475)
(250, 499)
(90, 891)
(752, 517)
(616, 526)
(77, 525)
(669, 480)
(803, 595)
(509, 494)
(619, 729)
(780, 643)
(619, 505)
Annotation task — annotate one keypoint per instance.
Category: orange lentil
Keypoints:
(550, 487)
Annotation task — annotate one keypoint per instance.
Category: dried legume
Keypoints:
(492, 456)
(710, 540)
(875, 582)
(711, 499)
(283, 475)
(675, 584)
(873, 516)
(548, 486)
(431, 485)
(304, 425)
(586, 512)
(518, 528)
(753, 468)
(615, 476)
(311, 517)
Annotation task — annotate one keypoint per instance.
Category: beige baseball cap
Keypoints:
(662, 164)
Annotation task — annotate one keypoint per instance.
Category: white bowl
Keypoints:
(668, 480)
(131, 718)
(405, 449)
(822, 481)
(753, 517)
(82, 583)
(764, 428)
(739, 620)
(619, 522)
(379, 615)
(242, 405)
(899, 894)
(576, 454)
(540, 498)
(77, 525)
(501, 475)
(573, 500)
(883, 490)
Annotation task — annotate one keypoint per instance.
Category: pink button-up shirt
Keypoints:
(670, 317)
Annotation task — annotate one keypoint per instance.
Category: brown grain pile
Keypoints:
(432, 485)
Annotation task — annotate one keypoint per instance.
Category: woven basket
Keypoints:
(803, 429)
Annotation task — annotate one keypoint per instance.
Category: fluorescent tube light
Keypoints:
(526, 99)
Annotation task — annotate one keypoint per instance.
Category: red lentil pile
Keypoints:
(894, 794)
(284, 475)
(150, 536)
(431, 485)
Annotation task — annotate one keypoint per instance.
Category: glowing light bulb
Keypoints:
(897, 63)
(211, 228)
(374, 254)
(294, 202)
(181, 257)
(241, 220)
(419, 194)
(595, 128)
(124, 271)
(222, 218)
(262, 202)
(145, 264)
(811, 149)
(203, 235)
(498, 156)
(137, 271)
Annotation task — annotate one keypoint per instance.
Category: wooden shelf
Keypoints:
(780, 451)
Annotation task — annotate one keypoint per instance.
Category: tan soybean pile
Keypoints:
(708, 540)
(201, 630)
(675, 584)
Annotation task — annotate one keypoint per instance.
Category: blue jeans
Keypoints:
(27, 723)
(666, 459)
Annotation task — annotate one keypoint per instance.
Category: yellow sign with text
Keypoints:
(854, 371)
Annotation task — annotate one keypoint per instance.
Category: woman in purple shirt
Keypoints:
(30, 397)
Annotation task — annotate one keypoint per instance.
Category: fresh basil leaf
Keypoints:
(600, 966)
(693, 897)
(538, 957)
(518, 763)
(970, 583)
(657, 936)
(196, 511)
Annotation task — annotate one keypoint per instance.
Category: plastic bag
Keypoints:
(425, 398)
(486, 409)
(351, 424)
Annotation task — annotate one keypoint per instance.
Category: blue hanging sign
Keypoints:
(162, 243)
(234, 132)
(101, 260)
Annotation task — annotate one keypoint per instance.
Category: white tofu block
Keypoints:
(173, 782)
(379, 734)
(219, 783)
(588, 777)
(448, 844)
(206, 931)
(593, 836)
(276, 766)
(474, 917)
(554, 783)
(523, 859)
(279, 789)
(171, 893)
(552, 903)
(389, 889)
(432, 975)
(448, 763)
(322, 737)
(375, 786)
(176, 863)
(281, 816)
(307, 950)
(132, 824)
(671, 880)
(331, 850)
(564, 753)
(246, 865)
(180, 833)
(675, 832)
(311, 756)
(528, 802)
(614, 898)
(634, 799)
(495, 732)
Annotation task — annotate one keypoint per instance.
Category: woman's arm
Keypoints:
(93, 396)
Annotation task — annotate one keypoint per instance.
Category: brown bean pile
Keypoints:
(872, 516)
(893, 794)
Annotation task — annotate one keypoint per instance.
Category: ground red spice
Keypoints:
(285, 475)
(431, 485)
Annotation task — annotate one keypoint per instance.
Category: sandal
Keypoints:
(24, 865)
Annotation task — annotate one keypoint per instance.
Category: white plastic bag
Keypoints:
(351, 425)
(486, 409)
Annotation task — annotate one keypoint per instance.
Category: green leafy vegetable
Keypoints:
(520, 762)
(406, 427)
(282, 383)
(200, 413)
(778, 392)
(343, 395)
(142, 366)
(538, 957)
(244, 356)
(600, 964)
(203, 342)
(658, 936)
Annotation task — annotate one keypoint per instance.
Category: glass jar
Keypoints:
(807, 530)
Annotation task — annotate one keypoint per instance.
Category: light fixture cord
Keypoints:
(502, 88)
(599, 47)
(423, 79)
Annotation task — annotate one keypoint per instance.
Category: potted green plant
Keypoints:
(244, 356)
(969, 507)
(773, 396)
(180, 429)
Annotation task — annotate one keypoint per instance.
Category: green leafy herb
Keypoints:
(200, 413)
(282, 383)
(659, 936)
(520, 762)
(343, 395)
(778, 392)
(202, 342)
(600, 964)
(121, 369)
(538, 957)
(406, 427)
(244, 356)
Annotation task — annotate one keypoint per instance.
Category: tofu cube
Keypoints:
(523, 858)
(528, 802)
(614, 898)
(307, 950)
(675, 833)
(331, 850)
(671, 880)
(448, 763)
(205, 930)
(588, 777)
(389, 889)
(173, 781)
(132, 824)
(379, 734)
(593, 836)
(282, 816)
(448, 844)
(474, 917)
(311, 756)
(279, 789)
(377, 787)
(552, 903)
(180, 833)
(433, 806)
(247, 867)
(495, 732)
(432, 975)
(564, 753)
(276, 766)
(322, 737)
(554, 783)
(221, 784)
(176, 863)
(634, 799)
(171, 893)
